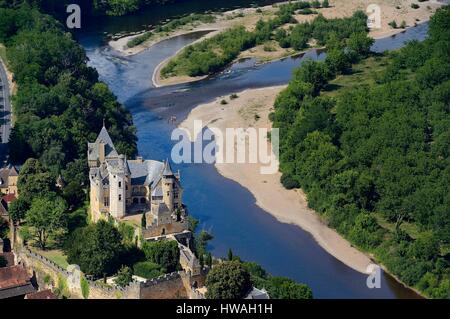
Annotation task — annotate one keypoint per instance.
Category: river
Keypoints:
(224, 207)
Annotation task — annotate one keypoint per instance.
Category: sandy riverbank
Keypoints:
(251, 109)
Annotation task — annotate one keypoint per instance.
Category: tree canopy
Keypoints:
(228, 280)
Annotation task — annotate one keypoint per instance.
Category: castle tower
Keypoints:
(117, 186)
(168, 185)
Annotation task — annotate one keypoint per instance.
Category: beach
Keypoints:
(251, 109)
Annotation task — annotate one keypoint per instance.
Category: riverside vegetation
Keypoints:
(171, 26)
(371, 149)
(211, 55)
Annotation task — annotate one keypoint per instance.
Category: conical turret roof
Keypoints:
(167, 169)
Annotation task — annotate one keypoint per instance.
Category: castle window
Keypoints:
(120, 197)
(106, 201)
(120, 184)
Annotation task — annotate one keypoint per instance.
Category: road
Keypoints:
(5, 113)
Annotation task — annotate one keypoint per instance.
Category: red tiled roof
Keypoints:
(13, 276)
(44, 294)
(8, 198)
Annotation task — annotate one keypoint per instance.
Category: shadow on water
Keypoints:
(222, 205)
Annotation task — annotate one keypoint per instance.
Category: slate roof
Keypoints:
(110, 149)
(257, 294)
(163, 209)
(157, 192)
(167, 169)
(103, 136)
(145, 172)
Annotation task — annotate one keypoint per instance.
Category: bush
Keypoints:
(84, 287)
(164, 253)
(415, 6)
(147, 269)
(289, 182)
(124, 277)
(393, 24)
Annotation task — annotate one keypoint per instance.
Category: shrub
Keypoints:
(415, 6)
(84, 287)
(289, 182)
(147, 269)
(393, 24)
(124, 276)
(164, 253)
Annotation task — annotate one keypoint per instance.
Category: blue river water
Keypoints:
(224, 207)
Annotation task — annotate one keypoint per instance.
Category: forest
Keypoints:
(371, 150)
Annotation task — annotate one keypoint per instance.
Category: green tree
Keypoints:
(124, 276)
(228, 280)
(284, 288)
(209, 260)
(230, 254)
(46, 216)
(144, 221)
(18, 208)
(192, 223)
(95, 248)
(34, 180)
(359, 45)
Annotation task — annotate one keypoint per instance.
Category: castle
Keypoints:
(122, 187)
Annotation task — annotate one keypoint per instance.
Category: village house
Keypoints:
(8, 180)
